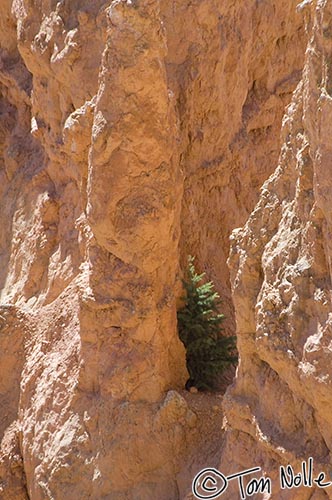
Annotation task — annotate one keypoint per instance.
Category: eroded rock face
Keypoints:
(92, 190)
(128, 130)
(233, 67)
(279, 408)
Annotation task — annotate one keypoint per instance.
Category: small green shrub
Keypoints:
(199, 323)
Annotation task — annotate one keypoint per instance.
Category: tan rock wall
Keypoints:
(278, 411)
(131, 134)
(92, 195)
(232, 67)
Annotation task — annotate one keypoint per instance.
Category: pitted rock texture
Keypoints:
(279, 410)
(232, 67)
(132, 133)
(91, 190)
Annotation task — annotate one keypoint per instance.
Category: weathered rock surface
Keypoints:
(91, 190)
(233, 67)
(132, 132)
(279, 410)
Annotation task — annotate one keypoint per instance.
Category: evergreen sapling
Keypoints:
(208, 353)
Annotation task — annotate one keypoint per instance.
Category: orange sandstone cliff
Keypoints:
(279, 409)
(134, 133)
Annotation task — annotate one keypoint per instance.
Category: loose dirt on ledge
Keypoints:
(204, 449)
